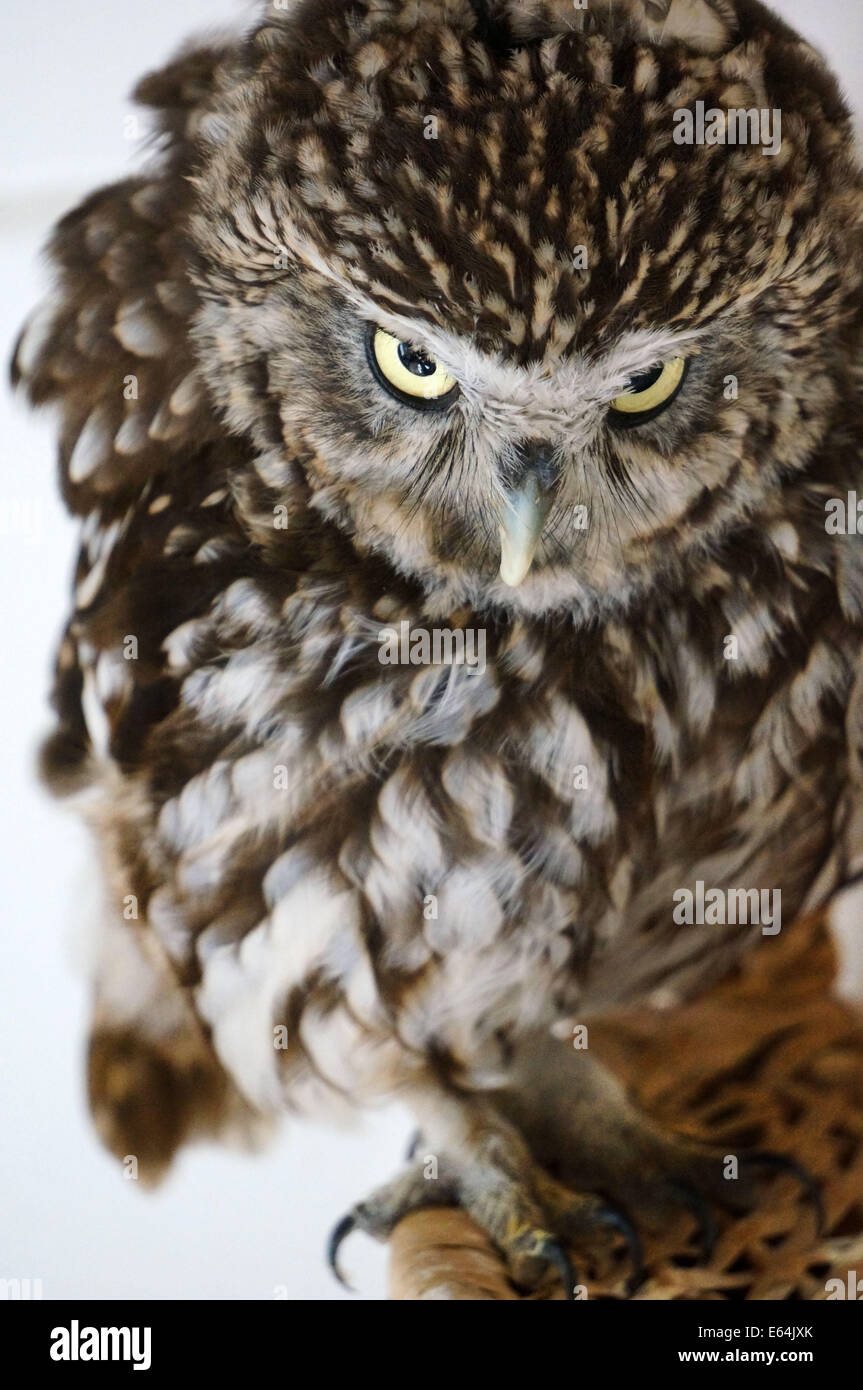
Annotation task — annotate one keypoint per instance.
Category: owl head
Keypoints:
(540, 302)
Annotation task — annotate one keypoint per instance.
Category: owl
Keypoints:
(459, 409)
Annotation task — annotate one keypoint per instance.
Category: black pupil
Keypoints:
(644, 380)
(416, 361)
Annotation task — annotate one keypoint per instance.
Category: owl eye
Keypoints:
(408, 373)
(649, 393)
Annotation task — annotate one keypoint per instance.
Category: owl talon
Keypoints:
(383, 1209)
(618, 1221)
(338, 1236)
(707, 1232)
(549, 1250)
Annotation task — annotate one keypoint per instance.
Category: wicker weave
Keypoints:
(767, 1059)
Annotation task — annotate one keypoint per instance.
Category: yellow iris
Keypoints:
(409, 369)
(659, 386)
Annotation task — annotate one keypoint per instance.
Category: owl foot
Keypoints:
(582, 1128)
(654, 1176)
(530, 1218)
(559, 1161)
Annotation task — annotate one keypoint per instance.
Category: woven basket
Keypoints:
(767, 1059)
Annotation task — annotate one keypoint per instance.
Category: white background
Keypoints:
(223, 1225)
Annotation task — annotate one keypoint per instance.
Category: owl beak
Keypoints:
(525, 513)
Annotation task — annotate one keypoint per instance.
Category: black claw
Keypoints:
(708, 1231)
(338, 1235)
(413, 1144)
(552, 1251)
(781, 1163)
(618, 1221)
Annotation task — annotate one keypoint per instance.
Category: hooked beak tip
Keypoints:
(520, 529)
(513, 569)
